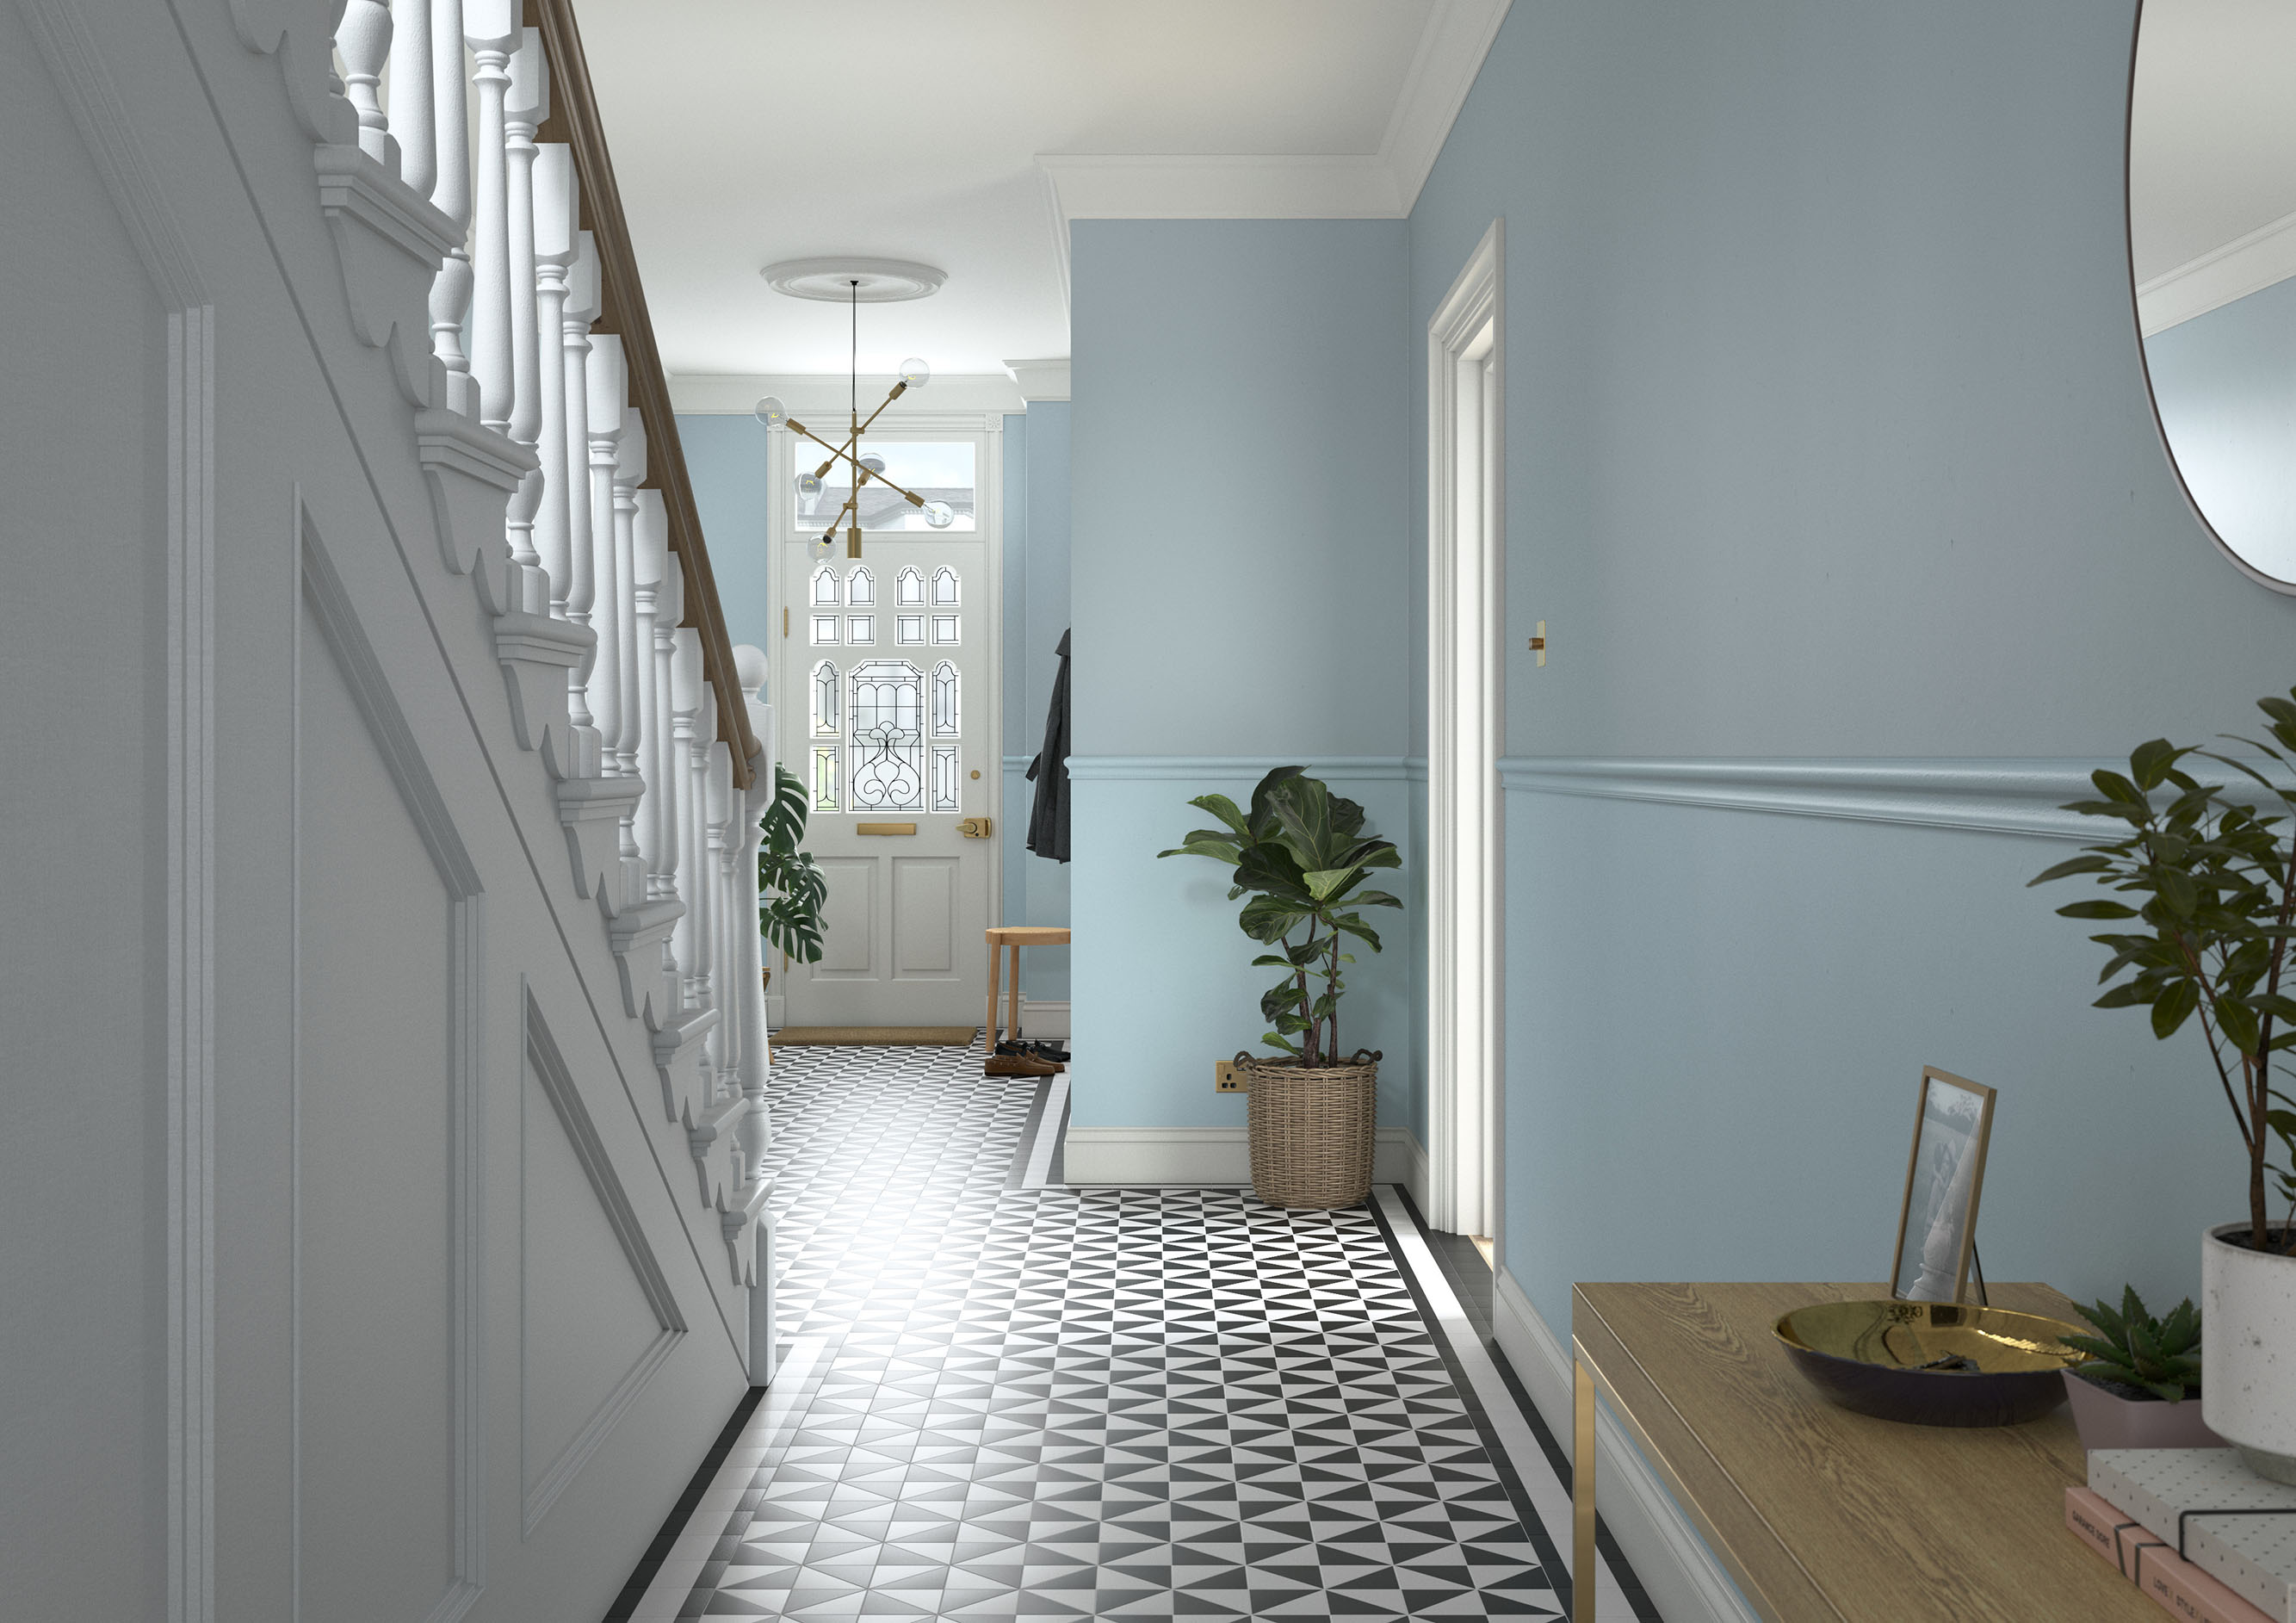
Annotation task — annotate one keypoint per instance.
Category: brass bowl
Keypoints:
(1931, 1364)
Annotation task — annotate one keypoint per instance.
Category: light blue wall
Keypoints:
(1239, 571)
(725, 461)
(1036, 613)
(2226, 386)
(1827, 436)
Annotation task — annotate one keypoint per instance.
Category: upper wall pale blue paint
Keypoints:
(1240, 481)
(2225, 382)
(725, 461)
(1239, 568)
(1827, 435)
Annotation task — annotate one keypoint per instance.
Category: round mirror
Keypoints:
(2212, 247)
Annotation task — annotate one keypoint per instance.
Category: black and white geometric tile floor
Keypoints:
(1008, 1401)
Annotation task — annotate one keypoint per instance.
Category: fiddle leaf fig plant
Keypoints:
(2210, 883)
(791, 889)
(1300, 853)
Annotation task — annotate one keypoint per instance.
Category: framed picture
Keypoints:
(1936, 1225)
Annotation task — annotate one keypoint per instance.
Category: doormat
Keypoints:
(859, 1037)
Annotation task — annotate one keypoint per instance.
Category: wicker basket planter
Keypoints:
(1312, 1129)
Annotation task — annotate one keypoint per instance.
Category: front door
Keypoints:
(884, 709)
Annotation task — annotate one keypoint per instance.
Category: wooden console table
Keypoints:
(1818, 1514)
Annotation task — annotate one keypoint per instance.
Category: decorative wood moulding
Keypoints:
(1046, 379)
(1250, 768)
(1988, 796)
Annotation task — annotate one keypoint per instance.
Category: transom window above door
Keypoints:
(939, 470)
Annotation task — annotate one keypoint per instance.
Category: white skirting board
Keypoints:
(1680, 1573)
(1043, 1019)
(1213, 1157)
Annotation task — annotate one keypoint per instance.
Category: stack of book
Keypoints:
(2193, 1527)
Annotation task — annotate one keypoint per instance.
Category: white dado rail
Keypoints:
(559, 489)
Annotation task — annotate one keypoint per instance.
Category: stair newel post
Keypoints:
(723, 803)
(413, 123)
(556, 216)
(649, 551)
(573, 352)
(525, 105)
(363, 41)
(450, 292)
(749, 1000)
(490, 33)
(606, 393)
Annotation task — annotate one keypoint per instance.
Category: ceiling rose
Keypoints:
(841, 280)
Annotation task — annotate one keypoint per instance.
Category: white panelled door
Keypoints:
(885, 708)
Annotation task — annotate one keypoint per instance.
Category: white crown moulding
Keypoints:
(1046, 380)
(736, 394)
(2241, 267)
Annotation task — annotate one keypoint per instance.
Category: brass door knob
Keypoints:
(974, 828)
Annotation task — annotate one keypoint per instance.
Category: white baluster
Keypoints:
(557, 222)
(412, 122)
(450, 293)
(582, 590)
(697, 866)
(362, 39)
(525, 105)
(607, 392)
(723, 806)
(649, 552)
(637, 646)
(491, 32)
(755, 1134)
(688, 696)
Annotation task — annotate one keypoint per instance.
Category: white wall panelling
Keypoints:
(351, 794)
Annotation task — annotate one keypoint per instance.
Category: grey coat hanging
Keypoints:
(1048, 817)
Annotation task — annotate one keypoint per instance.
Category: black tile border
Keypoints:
(1558, 1571)
(642, 1578)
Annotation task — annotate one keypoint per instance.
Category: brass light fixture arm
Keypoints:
(864, 474)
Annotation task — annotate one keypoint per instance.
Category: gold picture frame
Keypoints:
(1945, 1174)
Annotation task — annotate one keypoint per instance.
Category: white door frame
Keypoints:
(1466, 349)
(988, 508)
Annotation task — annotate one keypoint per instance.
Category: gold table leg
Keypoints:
(1583, 1558)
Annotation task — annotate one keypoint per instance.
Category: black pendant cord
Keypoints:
(853, 355)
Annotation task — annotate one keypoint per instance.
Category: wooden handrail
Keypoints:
(574, 119)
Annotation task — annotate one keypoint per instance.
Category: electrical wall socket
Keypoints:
(1227, 1078)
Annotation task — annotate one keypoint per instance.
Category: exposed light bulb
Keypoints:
(941, 515)
(915, 373)
(874, 463)
(808, 484)
(771, 412)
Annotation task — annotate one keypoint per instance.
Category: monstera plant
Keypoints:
(791, 889)
(1300, 853)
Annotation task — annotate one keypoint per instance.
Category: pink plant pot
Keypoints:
(2108, 1421)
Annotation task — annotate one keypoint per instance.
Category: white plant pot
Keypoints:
(2248, 1351)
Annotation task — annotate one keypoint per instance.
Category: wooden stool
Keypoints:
(1011, 938)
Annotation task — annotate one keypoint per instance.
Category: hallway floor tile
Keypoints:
(1005, 1401)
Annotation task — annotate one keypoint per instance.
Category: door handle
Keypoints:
(974, 828)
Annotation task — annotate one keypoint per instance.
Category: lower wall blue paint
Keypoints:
(725, 463)
(1162, 978)
(1774, 984)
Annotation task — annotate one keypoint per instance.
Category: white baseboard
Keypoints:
(1045, 1019)
(1214, 1158)
(1678, 1570)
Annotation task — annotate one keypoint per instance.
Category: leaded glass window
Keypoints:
(910, 588)
(945, 629)
(945, 790)
(860, 587)
(825, 700)
(909, 628)
(824, 629)
(860, 630)
(944, 700)
(825, 586)
(887, 736)
(824, 777)
(944, 587)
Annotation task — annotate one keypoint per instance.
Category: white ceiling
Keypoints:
(749, 131)
(2212, 150)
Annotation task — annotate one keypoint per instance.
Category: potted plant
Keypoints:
(791, 889)
(2213, 887)
(2131, 1392)
(1300, 853)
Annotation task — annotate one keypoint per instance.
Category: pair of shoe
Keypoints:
(1024, 1060)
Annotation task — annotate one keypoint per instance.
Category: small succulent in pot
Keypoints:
(2135, 1351)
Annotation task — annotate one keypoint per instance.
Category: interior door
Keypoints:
(889, 718)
